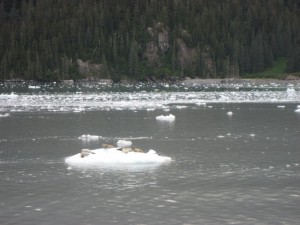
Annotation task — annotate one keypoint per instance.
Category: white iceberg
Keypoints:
(5, 115)
(169, 118)
(123, 143)
(113, 157)
(229, 113)
(297, 110)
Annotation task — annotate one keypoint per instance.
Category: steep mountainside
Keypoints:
(146, 39)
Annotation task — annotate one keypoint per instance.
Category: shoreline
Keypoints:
(187, 81)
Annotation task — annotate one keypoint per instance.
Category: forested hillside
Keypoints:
(146, 39)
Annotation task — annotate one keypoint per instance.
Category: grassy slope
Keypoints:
(277, 71)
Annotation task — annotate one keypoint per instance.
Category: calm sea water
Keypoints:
(239, 169)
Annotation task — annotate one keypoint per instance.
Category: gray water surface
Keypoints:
(242, 169)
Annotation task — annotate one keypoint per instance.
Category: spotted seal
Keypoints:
(107, 146)
(130, 149)
(85, 152)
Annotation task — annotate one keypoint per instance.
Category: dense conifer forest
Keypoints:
(49, 40)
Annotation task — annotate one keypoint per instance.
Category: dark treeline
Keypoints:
(141, 39)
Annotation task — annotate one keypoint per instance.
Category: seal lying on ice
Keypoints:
(85, 152)
(130, 149)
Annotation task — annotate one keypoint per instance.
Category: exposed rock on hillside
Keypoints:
(158, 44)
(90, 71)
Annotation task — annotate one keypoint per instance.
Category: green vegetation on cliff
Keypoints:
(147, 39)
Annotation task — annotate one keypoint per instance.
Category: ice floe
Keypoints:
(229, 113)
(168, 118)
(124, 143)
(5, 115)
(113, 156)
(281, 106)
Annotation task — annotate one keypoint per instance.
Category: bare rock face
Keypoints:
(90, 70)
(291, 77)
(185, 55)
(163, 41)
(86, 67)
(151, 53)
(159, 43)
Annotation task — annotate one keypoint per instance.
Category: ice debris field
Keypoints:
(113, 156)
(142, 97)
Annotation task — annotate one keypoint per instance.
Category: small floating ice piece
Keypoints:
(169, 118)
(124, 143)
(201, 103)
(181, 106)
(33, 87)
(5, 115)
(290, 90)
(297, 110)
(281, 106)
(229, 113)
(88, 137)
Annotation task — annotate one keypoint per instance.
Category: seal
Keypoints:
(131, 149)
(85, 152)
(107, 146)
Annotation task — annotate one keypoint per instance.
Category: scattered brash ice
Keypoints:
(88, 137)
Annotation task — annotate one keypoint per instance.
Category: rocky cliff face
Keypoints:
(90, 71)
(184, 57)
(189, 61)
(159, 44)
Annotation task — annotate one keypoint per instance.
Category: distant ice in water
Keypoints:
(168, 118)
(5, 115)
(33, 87)
(88, 137)
(201, 103)
(94, 97)
(229, 113)
(291, 91)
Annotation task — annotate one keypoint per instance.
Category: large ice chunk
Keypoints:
(124, 143)
(169, 118)
(114, 156)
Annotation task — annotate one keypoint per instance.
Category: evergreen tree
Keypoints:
(44, 39)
